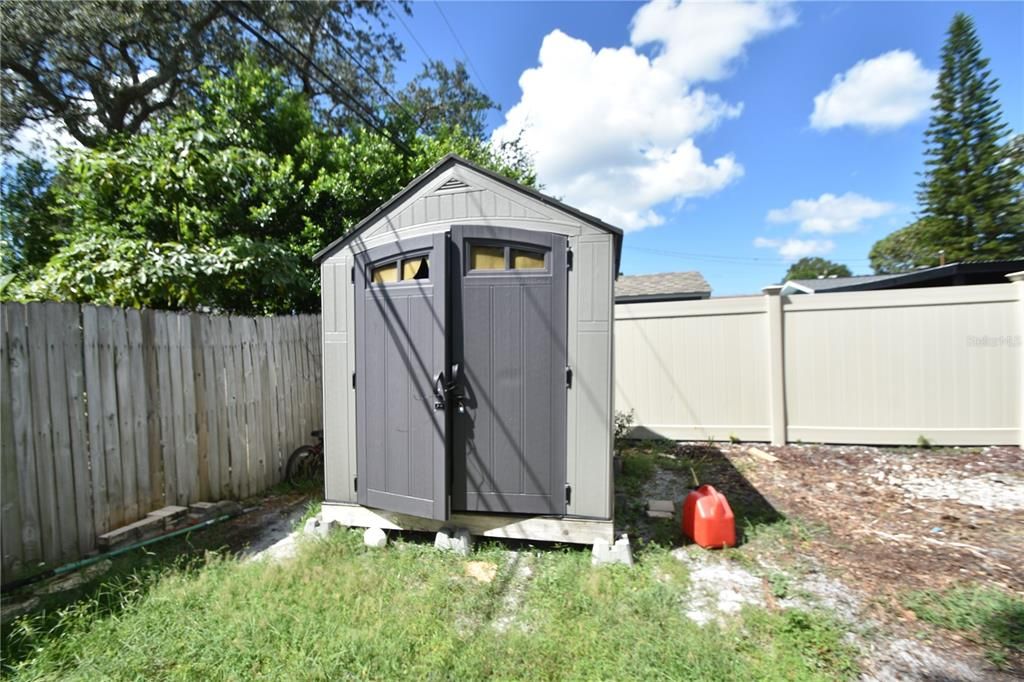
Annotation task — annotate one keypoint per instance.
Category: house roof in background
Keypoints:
(664, 286)
(952, 274)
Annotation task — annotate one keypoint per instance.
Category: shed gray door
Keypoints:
(400, 349)
(508, 317)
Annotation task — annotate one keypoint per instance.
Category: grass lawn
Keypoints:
(340, 610)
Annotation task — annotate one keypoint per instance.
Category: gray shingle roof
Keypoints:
(665, 286)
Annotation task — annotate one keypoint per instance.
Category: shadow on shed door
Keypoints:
(508, 317)
(401, 438)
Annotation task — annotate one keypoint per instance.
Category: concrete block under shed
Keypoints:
(375, 537)
(454, 540)
(619, 553)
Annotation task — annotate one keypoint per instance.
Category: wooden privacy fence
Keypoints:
(107, 414)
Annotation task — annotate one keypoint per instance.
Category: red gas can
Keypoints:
(708, 518)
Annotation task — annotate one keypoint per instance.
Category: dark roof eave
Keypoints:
(928, 274)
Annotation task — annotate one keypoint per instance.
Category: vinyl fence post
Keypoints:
(776, 366)
(1018, 282)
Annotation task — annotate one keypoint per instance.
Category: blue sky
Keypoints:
(696, 127)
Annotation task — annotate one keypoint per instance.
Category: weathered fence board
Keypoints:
(49, 526)
(10, 520)
(57, 329)
(107, 414)
(91, 365)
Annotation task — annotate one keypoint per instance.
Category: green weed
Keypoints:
(987, 615)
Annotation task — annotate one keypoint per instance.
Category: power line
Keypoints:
(737, 260)
(416, 40)
(369, 74)
(353, 100)
(361, 111)
(464, 53)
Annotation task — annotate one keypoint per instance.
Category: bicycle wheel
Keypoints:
(302, 465)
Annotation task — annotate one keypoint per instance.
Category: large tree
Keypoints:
(970, 196)
(223, 205)
(813, 267)
(100, 68)
(440, 97)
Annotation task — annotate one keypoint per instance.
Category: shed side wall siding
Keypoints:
(590, 357)
(339, 396)
(874, 367)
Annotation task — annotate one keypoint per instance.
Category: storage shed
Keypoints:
(467, 350)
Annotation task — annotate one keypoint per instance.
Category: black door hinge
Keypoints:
(352, 274)
(568, 494)
(568, 259)
(568, 376)
(355, 483)
(353, 379)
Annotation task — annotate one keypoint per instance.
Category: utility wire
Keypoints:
(461, 47)
(416, 40)
(739, 260)
(353, 100)
(361, 111)
(404, 108)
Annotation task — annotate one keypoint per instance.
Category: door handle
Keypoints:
(453, 390)
(439, 391)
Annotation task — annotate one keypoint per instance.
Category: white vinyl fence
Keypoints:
(874, 367)
(107, 414)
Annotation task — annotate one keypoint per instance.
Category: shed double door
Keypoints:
(461, 373)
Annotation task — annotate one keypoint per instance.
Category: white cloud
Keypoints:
(795, 249)
(829, 214)
(701, 40)
(612, 131)
(876, 94)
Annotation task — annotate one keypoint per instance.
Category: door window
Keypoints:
(489, 256)
(484, 257)
(383, 274)
(403, 269)
(527, 260)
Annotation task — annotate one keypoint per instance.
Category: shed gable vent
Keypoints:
(452, 184)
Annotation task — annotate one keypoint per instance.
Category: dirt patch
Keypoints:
(853, 529)
(520, 570)
(902, 518)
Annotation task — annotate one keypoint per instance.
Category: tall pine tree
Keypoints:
(972, 196)
(971, 193)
